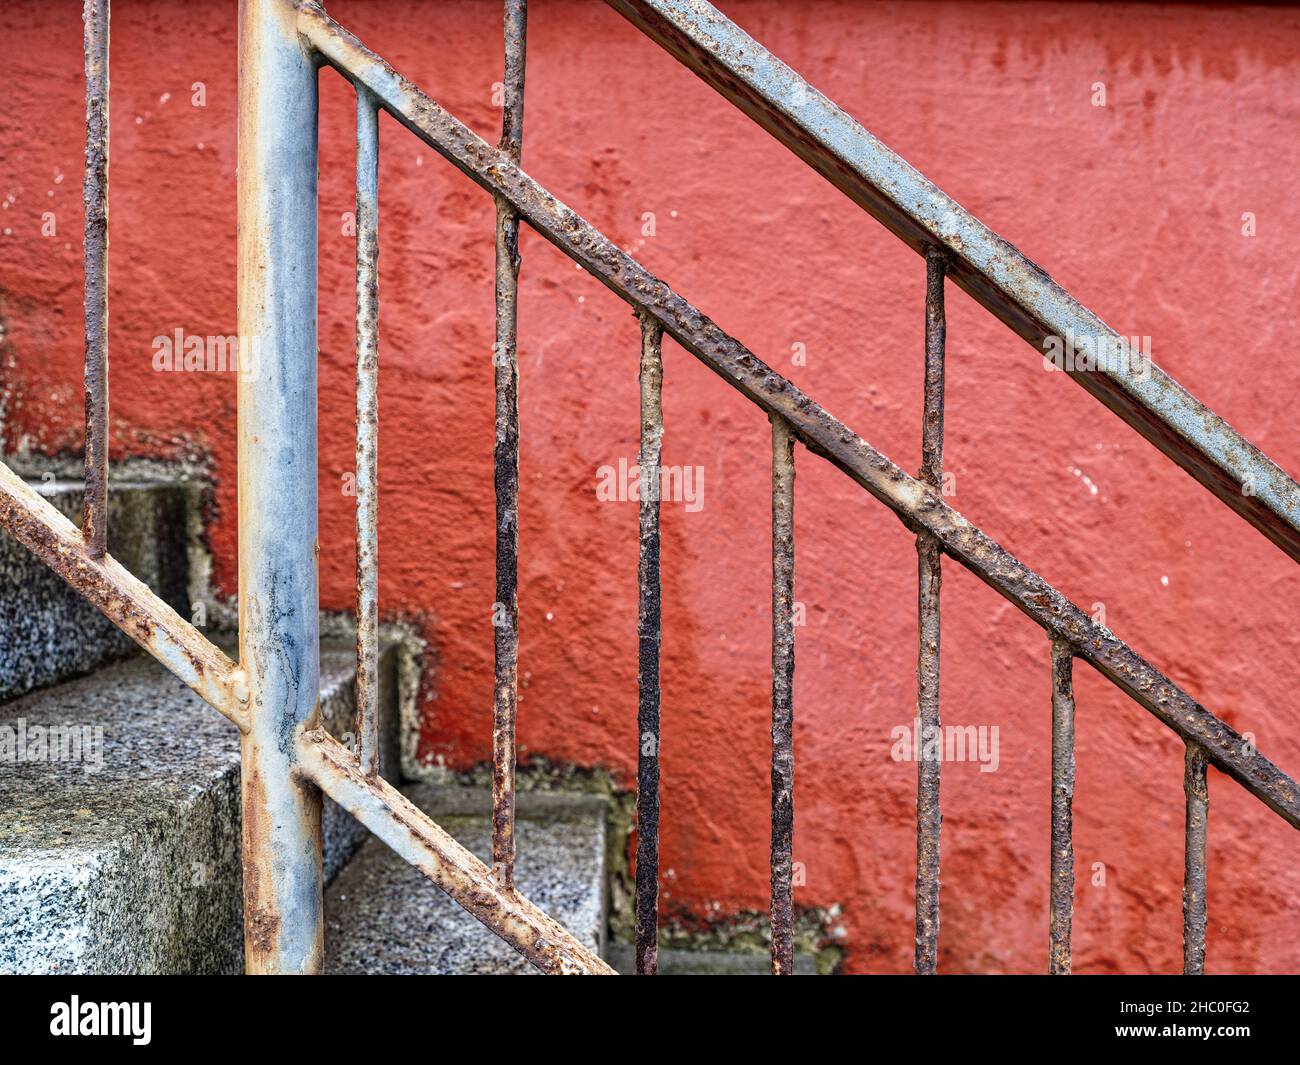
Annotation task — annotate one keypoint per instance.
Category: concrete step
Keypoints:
(383, 916)
(48, 632)
(126, 857)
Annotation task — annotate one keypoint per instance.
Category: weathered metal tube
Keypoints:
(1061, 892)
(278, 628)
(505, 463)
(929, 815)
(648, 625)
(782, 698)
(367, 482)
(1196, 787)
(94, 523)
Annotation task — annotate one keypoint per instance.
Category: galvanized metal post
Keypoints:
(278, 640)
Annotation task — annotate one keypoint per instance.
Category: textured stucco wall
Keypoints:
(1136, 206)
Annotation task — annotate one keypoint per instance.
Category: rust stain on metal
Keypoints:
(516, 42)
(261, 924)
(782, 698)
(648, 628)
(505, 464)
(95, 199)
(936, 334)
(1061, 893)
(260, 930)
(1197, 790)
(929, 815)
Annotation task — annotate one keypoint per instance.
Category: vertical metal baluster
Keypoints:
(367, 431)
(929, 814)
(1061, 892)
(505, 464)
(94, 522)
(647, 631)
(1196, 787)
(782, 697)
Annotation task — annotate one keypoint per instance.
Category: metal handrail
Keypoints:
(920, 507)
(271, 695)
(918, 503)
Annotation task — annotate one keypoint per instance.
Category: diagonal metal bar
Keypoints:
(917, 506)
(125, 601)
(994, 272)
(392, 817)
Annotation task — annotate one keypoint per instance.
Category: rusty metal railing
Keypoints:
(287, 757)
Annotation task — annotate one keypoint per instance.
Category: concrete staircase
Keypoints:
(120, 841)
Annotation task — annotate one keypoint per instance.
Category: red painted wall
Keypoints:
(1136, 206)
